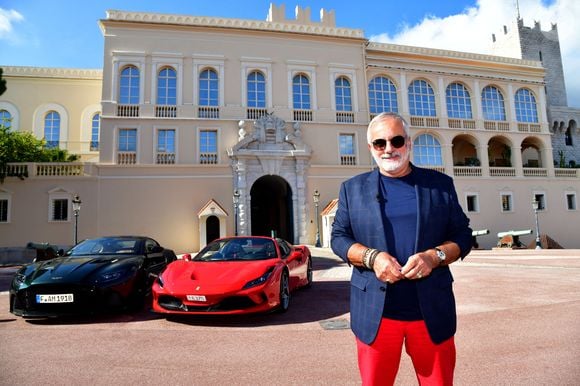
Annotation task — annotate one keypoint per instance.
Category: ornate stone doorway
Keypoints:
(271, 208)
(269, 164)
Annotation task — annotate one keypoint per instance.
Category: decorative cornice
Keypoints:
(216, 22)
(50, 72)
(438, 53)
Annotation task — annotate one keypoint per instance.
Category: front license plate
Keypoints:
(56, 298)
(196, 298)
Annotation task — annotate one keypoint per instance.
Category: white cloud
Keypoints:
(471, 31)
(7, 18)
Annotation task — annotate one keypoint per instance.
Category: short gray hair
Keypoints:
(384, 116)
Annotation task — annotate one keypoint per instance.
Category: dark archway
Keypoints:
(212, 229)
(271, 202)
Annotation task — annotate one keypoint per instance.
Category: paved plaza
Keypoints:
(519, 324)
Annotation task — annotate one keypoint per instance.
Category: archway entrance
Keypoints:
(212, 229)
(271, 203)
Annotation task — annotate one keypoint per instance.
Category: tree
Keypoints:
(22, 146)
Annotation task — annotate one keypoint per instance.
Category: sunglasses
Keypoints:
(396, 142)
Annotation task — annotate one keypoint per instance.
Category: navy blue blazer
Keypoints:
(439, 219)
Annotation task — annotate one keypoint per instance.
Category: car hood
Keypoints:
(74, 269)
(214, 276)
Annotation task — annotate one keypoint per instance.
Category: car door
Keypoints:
(154, 257)
(293, 262)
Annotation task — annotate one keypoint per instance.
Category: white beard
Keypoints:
(391, 162)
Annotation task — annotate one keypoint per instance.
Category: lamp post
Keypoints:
(76, 207)
(236, 200)
(316, 198)
(536, 205)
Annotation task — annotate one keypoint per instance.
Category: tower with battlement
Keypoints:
(532, 43)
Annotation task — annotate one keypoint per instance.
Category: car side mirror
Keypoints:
(295, 255)
(156, 249)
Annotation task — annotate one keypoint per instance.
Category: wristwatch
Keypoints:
(441, 255)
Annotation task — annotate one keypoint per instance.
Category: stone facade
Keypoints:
(265, 163)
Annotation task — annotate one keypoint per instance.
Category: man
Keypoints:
(400, 226)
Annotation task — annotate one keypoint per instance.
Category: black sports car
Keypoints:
(96, 275)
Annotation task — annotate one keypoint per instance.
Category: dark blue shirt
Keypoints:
(399, 210)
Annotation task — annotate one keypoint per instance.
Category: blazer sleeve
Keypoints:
(342, 235)
(458, 229)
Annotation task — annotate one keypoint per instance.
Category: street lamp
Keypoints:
(316, 198)
(536, 205)
(76, 207)
(236, 200)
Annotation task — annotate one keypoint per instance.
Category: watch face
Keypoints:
(441, 254)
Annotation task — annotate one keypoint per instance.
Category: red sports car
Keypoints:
(234, 275)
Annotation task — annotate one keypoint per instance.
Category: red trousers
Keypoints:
(379, 362)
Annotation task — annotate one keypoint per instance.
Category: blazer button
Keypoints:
(383, 288)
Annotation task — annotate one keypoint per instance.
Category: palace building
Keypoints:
(200, 127)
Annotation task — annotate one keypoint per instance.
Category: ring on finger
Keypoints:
(419, 275)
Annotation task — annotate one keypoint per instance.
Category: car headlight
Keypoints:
(19, 278)
(159, 280)
(259, 280)
(108, 276)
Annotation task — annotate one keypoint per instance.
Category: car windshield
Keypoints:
(105, 246)
(239, 248)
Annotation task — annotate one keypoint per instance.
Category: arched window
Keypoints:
(52, 128)
(427, 151)
(167, 87)
(458, 101)
(256, 90)
(342, 94)
(301, 92)
(208, 88)
(129, 86)
(5, 119)
(526, 109)
(422, 99)
(382, 95)
(95, 128)
(492, 103)
(568, 137)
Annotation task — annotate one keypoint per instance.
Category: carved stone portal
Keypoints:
(268, 146)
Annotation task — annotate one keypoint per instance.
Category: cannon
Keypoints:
(511, 239)
(44, 251)
(474, 235)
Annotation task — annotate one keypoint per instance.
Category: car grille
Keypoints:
(229, 304)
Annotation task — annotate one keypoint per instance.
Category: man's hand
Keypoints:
(387, 268)
(419, 265)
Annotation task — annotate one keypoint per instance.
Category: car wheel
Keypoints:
(284, 292)
(309, 272)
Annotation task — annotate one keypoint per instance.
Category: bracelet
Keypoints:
(374, 255)
(368, 257)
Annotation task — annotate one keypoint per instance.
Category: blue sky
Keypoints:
(65, 33)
